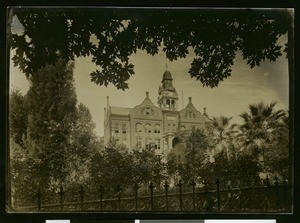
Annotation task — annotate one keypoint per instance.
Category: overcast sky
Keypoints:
(266, 83)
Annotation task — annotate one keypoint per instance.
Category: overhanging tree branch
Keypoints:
(214, 35)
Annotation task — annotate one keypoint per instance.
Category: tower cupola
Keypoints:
(167, 95)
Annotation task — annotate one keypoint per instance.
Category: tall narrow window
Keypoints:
(168, 103)
(157, 128)
(138, 142)
(116, 128)
(157, 144)
(123, 128)
(174, 128)
(148, 128)
(173, 104)
(138, 127)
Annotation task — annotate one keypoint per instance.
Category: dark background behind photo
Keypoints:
(128, 217)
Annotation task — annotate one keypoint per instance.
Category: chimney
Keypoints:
(204, 110)
(147, 94)
(190, 99)
(107, 102)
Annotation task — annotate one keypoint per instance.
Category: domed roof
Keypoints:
(167, 75)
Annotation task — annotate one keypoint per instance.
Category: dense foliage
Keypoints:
(196, 157)
(51, 138)
(110, 36)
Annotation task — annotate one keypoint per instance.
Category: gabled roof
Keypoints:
(137, 111)
(119, 110)
(191, 108)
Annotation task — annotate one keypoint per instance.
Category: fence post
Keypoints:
(267, 181)
(118, 188)
(61, 197)
(229, 197)
(135, 188)
(276, 183)
(151, 187)
(218, 194)
(101, 196)
(39, 197)
(180, 194)
(194, 200)
(240, 198)
(268, 194)
(166, 186)
(206, 195)
(284, 195)
(81, 192)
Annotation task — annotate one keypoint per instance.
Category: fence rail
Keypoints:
(269, 198)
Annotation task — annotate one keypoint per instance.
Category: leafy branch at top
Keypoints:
(214, 36)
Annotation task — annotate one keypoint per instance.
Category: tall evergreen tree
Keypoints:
(84, 144)
(18, 114)
(51, 114)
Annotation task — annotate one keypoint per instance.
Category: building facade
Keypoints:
(152, 125)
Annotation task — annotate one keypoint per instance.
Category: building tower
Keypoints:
(168, 102)
(167, 94)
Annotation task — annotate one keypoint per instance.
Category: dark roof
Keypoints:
(167, 75)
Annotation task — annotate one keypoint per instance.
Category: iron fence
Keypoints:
(176, 198)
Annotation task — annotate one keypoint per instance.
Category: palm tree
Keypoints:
(222, 133)
(260, 126)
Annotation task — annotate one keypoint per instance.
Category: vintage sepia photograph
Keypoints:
(150, 110)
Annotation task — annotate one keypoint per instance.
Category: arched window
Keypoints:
(157, 128)
(175, 141)
(138, 127)
(174, 127)
(173, 104)
(168, 103)
(190, 115)
(148, 128)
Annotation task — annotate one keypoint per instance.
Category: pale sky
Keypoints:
(266, 83)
